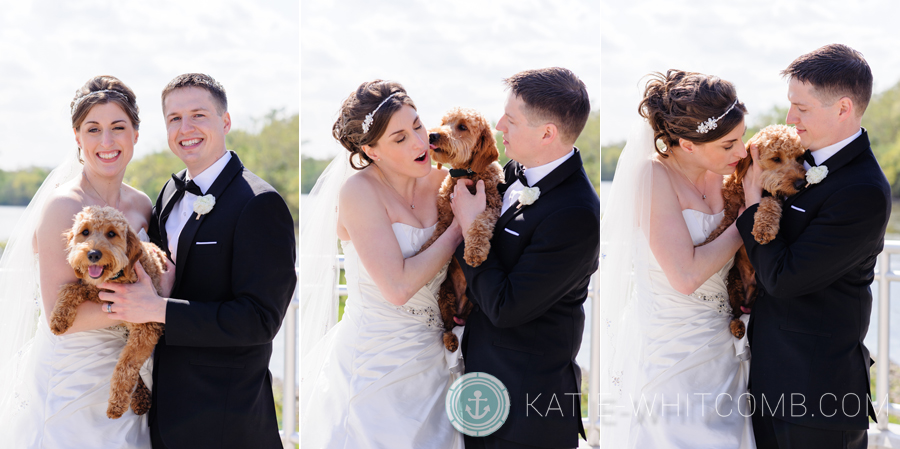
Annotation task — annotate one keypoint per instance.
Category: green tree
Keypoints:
(270, 153)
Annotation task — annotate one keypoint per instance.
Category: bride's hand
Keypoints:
(751, 182)
(465, 205)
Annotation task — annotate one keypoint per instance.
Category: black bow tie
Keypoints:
(808, 157)
(189, 186)
(520, 175)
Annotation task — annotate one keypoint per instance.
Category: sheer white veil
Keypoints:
(319, 268)
(624, 264)
(20, 292)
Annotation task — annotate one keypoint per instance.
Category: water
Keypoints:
(9, 215)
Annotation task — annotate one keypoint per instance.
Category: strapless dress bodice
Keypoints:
(362, 293)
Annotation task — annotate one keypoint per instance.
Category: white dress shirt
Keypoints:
(533, 175)
(182, 211)
(822, 154)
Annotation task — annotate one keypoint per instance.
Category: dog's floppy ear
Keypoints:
(485, 149)
(133, 248)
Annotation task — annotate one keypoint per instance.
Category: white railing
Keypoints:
(289, 434)
(884, 274)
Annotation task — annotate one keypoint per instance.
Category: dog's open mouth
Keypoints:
(434, 148)
(95, 271)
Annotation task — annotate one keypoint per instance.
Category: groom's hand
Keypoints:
(134, 303)
(465, 205)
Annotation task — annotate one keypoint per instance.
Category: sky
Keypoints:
(747, 42)
(445, 54)
(49, 49)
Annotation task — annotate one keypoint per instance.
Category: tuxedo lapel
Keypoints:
(553, 179)
(834, 163)
(186, 239)
(169, 193)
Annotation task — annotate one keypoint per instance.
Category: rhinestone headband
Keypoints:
(78, 101)
(712, 123)
(371, 117)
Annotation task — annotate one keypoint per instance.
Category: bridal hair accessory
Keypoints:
(528, 196)
(204, 205)
(816, 174)
(711, 123)
(78, 101)
(371, 117)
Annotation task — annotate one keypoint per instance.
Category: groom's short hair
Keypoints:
(553, 95)
(835, 71)
(203, 81)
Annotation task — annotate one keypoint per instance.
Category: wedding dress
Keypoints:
(62, 401)
(379, 378)
(691, 386)
(672, 375)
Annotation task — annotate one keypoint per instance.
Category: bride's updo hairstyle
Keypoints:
(349, 128)
(100, 90)
(677, 103)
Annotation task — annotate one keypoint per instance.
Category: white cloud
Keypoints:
(746, 42)
(444, 53)
(49, 49)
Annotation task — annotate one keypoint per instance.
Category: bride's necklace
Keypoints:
(411, 205)
(681, 170)
(84, 175)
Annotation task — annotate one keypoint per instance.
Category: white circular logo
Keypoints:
(477, 404)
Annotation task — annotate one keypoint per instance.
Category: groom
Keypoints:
(234, 281)
(528, 318)
(812, 313)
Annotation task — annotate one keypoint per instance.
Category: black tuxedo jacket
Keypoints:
(812, 313)
(211, 383)
(528, 319)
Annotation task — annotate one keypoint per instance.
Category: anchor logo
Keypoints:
(487, 408)
(491, 406)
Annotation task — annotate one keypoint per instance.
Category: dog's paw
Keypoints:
(60, 324)
(737, 328)
(116, 410)
(450, 341)
(475, 255)
(764, 233)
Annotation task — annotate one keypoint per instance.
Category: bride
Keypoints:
(674, 376)
(54, 389)
(379, 378)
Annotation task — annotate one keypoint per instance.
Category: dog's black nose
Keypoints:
(94, 255)
(798, 184)
(433, 137)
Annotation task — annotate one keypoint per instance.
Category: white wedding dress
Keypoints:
(62, 402)
(692, 375)
(379, 378)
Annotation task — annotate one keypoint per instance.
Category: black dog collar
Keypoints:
(118, 275)
(460, 172)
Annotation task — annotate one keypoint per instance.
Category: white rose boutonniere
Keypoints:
(204, 204)
(528, 196)
(816, 174)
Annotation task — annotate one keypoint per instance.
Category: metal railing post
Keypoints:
(288, 402)
(883, 369)
(593, 431)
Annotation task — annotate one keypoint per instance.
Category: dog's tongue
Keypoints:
(95, 271)
(431, 146)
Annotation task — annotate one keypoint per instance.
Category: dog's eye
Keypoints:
(776, 159)
(85, 233)
(462, 127)
(110, 234)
